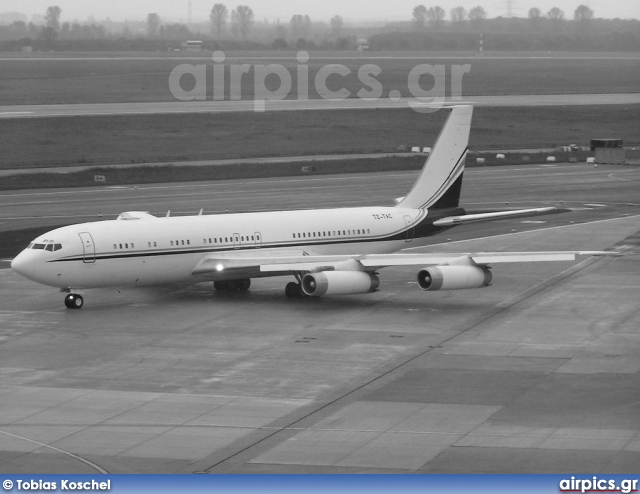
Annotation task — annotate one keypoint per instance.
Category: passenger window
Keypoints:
(172, 243)
(120, 245)
(115, 246)
(188, 242)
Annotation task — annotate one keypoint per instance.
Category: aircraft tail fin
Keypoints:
(440, 180)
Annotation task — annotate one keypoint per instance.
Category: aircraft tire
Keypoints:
(293, 290)
(73, 301)
(243, 285)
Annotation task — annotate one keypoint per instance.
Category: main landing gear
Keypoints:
(232, 285)
(73, 301)
(294, 290)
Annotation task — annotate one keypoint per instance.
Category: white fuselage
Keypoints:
(153, 250)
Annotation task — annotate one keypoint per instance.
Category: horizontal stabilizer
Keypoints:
(468, 218)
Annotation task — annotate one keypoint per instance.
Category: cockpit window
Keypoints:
(49, 246)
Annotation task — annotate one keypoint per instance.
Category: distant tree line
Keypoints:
(430, 28)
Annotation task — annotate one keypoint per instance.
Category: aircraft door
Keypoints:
(88, 247)
(407, 220)
(258, 240)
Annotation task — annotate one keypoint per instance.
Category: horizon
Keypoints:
(356, 11)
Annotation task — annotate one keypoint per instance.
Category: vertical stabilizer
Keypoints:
(442, 172)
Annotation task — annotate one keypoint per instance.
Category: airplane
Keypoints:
(330, 252)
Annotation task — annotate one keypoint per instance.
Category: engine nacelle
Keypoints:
(339, 283)
(453, 277)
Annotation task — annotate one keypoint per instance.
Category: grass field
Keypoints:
(104, 140)
(143, 139)
(103, 78)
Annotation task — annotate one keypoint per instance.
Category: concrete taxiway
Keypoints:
(425, 105)
(537, 373)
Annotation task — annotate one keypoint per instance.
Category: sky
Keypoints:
(318, 10)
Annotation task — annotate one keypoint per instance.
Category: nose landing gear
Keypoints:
(73, 301)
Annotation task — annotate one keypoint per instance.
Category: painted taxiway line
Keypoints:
(425, 105)
(53, 448)
(537, 230)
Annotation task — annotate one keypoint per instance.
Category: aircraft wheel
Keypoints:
(243, 285)
(293, 290)
(220, 285)
(73, 301)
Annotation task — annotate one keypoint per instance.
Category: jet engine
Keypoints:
(453, 277)
(339, 283)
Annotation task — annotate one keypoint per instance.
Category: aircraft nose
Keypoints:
(23, 264)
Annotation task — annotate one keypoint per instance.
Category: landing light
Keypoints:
(219, 267)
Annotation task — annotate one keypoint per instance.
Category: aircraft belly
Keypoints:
(121, 272)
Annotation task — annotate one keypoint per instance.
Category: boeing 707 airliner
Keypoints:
(330, 252)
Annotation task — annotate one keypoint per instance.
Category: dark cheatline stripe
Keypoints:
(453, 176)
(424, 228)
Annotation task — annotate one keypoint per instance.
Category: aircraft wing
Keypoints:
(315, 263)
(266, 262)
(385, 260)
